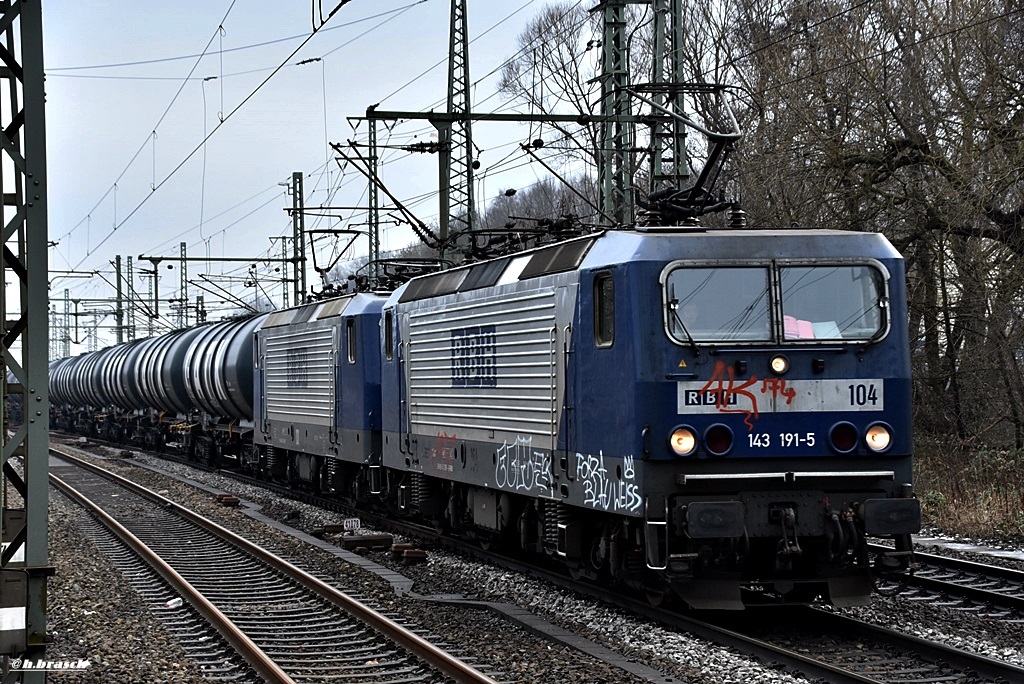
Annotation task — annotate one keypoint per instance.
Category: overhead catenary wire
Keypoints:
(391, 158)
(492, 28)
(53, 70)
(388, 160)
(390, 14)
(159, 121)
(494, 70)
(472, 40)
(204, 141)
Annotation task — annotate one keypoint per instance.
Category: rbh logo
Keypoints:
(298, 375)
(473, 357)
(23, 665)
(709, 398)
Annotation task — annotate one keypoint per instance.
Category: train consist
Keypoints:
(719, 415)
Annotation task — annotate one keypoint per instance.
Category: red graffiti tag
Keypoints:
(443, 448)
(723, 385)
(777, 387)
(732, 396)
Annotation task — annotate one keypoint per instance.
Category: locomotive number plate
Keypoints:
(777, 395)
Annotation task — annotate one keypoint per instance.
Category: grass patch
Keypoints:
(977, 494)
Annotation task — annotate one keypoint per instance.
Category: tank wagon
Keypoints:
(190, 390)
(721, 416)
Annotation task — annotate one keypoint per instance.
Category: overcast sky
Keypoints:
(226, 199)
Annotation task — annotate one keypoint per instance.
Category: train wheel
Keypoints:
(657, 596)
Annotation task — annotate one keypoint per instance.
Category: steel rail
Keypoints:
(253, 654)
(936, 652)
(1012, 595)
(977, 595)
(449, 665)
(764, 650)
(964, 565)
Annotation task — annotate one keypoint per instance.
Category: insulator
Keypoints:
(649, 217)
(737, 218)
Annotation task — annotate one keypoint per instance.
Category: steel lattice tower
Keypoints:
(298, 236)
(668, 140)
(618, 135)
(373, 207)
(132, 298)
(24, 563)
(616, 157)
(183, 288)
(455, 137)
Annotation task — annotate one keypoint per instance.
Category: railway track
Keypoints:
(987, 590)
(855, 651)
(816, 643)
(286, 624)
(214, 656)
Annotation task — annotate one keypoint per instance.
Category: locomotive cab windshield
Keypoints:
(782, 302)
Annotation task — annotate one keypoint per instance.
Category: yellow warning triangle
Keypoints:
(682, 363)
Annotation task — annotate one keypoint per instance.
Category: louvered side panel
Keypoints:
(300, 377)
(483, 367)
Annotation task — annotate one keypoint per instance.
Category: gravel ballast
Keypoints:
(520, 656)
(93, 614)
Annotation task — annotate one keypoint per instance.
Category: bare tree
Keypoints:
(554, 71)
(906, 119)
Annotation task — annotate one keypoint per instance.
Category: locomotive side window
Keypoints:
(604, 310)
(388, 335)
(350, 339)
(832, 302)
(719, 304)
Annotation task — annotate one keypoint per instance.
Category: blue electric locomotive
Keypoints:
(720, 415)
(317, 395)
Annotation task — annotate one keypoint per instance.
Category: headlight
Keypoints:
(683, 441)
(779, 364)
(878, 437)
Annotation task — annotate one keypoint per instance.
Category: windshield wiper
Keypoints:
(883, 302)
(673, 307)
